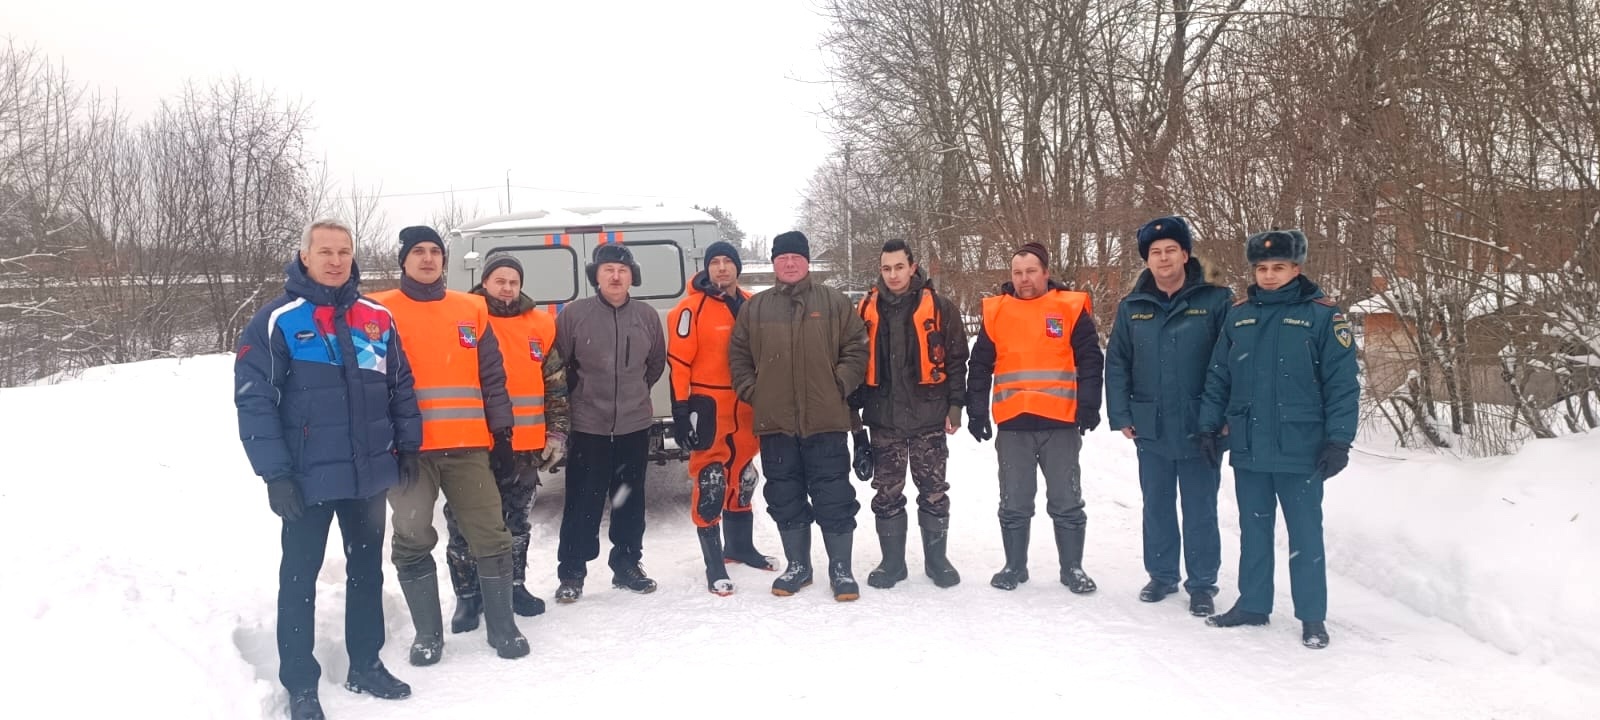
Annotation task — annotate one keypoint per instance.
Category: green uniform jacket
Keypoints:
(797, 352)
(1283, 379)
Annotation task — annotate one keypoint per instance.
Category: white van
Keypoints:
(555, 245)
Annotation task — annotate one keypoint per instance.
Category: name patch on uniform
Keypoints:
(467, 334)
(1246, 321)
(1196, 311)
(535, 350)
(1143, 316)
(305, 335)
(1055, 326)
(1297, 322)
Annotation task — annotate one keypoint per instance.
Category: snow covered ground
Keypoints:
(139, 563)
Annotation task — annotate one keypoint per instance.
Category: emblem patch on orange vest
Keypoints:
(467, 334)
(535, 351)
(1054, 326)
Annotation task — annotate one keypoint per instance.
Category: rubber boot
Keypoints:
(1015, 541)
(738, 530)
(1069, 547)
(840, 576)
(711, 551)
(935, 541)
(464, 580)
(523, 602)
(420, 585)
(797, 549)
(495, 579)
(892, 538)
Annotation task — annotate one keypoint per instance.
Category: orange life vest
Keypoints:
(929, 326)
(523, 341)
(441, 344)
(1035, 370)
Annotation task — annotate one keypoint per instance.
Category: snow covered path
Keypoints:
(140, 568)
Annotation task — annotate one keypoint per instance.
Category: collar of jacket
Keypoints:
(799, 287)
(501, 308)
(1051, 284)
(422, 292)
(1300, 289)
(919, 280)
(1145, 287)
(296, 282)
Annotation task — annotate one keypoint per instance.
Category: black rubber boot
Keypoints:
(377, 682)
(524, 603)
(711, 551)
(464, 580)
(1015, 541)
(797, 549)
(1069, 546)
(935, 539)
(1314, 634)
(495, 578)
(1156, 591)
(420, 585)
(840, 576)
(1235, 617)
(738, 530)
(892, 538)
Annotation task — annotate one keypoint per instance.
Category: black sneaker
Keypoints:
(1156, 591)
(632, 578)
(570, 591)
(304, 705)
(377, 682)
(1201, 604)
(1236, 617)
(1314, 635)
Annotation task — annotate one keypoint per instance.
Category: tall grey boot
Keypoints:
(711, 551)
(840, 576)
(420, 585)
(935, 539)
(892, 538)
(797, 549)
(1015, 572)
(1069, 545)
(495, 577)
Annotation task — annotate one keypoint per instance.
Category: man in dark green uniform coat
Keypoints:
(1283, 382)
(1155, 370)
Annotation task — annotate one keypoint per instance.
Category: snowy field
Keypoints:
(140, 565)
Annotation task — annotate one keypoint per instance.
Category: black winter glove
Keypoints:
(408, 469)
(861, 460)
(683, 430)
(1210, 444)
(1334, 458)
(1088, 421)
(283, 496)
(502, 459)
(978, 423)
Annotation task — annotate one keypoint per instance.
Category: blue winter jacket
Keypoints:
(1157, 357)
(1283, 379)
(324, 392)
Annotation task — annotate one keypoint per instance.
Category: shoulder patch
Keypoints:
(1327, 302)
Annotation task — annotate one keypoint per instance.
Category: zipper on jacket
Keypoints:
(616, 392)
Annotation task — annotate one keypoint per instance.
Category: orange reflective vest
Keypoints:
(441, 343)
(929, 327)
(1035, 371)
(524, 340)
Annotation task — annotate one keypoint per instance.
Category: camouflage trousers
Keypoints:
(925, 455)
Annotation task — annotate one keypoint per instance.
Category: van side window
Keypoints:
(550, 273)
(661, 265)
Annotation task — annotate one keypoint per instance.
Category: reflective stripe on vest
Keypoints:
(1035, 370)
(525, 340)
(441, 344)
(929, 327)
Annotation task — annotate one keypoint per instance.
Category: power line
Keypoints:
(451, 191)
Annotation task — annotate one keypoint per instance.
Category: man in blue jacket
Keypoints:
(325, 403)
(1155, 369)
(1283, 384)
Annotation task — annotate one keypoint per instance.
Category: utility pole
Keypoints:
(849, 243)
(508, 191)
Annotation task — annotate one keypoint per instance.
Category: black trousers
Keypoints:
(361, 526)
(808, 479)
(603, 470)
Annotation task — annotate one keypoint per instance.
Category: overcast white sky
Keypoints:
(695, 101)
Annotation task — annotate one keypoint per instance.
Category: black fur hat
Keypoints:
(1287, 245)
(612, 253)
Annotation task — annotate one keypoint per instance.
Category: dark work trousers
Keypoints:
(1164, 481)
(602, 468)
(1301, 494)
(361, 526)
(808, 479)
(1023, 454)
